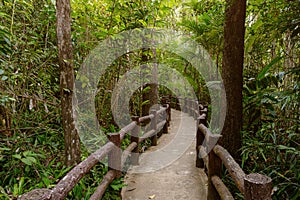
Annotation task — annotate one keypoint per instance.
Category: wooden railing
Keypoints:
(253, 186)
(116, 159)
(212, 156)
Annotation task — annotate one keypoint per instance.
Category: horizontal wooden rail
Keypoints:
(116, 160)
(209, 155)
(127, 129)
(66, 184)
(212, 156)
(161, 124)
(233, 168)
(147, 135)
(162, 110)
(107, 179)
(221, 188)
(127, 152)
(145, 118)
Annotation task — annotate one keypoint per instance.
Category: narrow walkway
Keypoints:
(177, 177)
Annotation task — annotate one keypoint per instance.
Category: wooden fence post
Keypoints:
(135, 138)
(114, 156)
(204, 111)
(200, 137)
(169, 113)
(170, 100)
(257, 187)
(214, 168)
(178, 106)
(163, 100)
(153, 126)
(191, 107)
(199, 142)
(165, 128)
(187, 106)
(196, 110)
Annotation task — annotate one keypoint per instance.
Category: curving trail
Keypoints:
(180, 179)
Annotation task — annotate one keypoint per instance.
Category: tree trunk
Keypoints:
(152, 94)
(232, 74)
(65, 58)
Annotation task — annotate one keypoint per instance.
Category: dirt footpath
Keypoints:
(180, 179)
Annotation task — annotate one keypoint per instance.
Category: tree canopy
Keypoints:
(31, 118)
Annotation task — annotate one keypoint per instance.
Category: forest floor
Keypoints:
(167, 171)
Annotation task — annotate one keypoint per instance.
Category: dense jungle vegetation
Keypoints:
(31, 131)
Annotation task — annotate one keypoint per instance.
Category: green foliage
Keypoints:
(263, 73)
(31, 147)
(271, 95)
(31, 140)
(270, 136)
(29, 162)
(206, 24)
(4, 42)
(88, 184)
(189, 73)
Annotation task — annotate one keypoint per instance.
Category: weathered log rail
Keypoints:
(116, 159)
(212, 156)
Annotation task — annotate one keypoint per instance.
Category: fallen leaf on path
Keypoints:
(152, 196)
(131, 189)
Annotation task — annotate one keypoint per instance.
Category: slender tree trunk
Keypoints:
(152, 94)
(232, 73)
(65, 58)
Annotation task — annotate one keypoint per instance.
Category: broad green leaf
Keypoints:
(27, 153)
(268, 67)
(46, 181)
(18, 156)
(16, 190)
(28, 160)
(21, 183)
